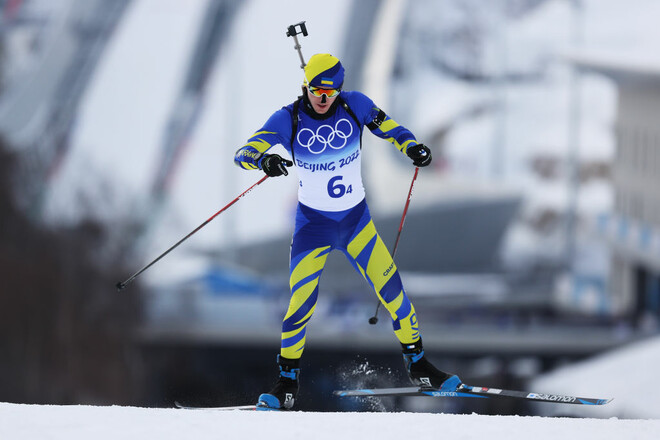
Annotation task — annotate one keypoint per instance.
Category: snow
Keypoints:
(633, 414)
(127, 423)
(629, 374)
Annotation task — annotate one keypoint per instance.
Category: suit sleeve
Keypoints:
(277, 130)
(380, 123)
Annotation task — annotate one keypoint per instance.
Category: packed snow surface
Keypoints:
(127, 423)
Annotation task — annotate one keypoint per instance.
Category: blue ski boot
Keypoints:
(283, 395)
(422, 373)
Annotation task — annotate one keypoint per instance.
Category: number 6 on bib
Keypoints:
(337, 190)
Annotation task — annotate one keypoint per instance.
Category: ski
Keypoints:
(471, 391)
(217, 408)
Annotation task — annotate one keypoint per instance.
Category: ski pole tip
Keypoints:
(120, 286)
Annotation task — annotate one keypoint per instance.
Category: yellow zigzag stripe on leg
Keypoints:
(361, 239)
(394, 305)
(295, 351)
(286, 335)
(310, 264)
(407, 333)
(299, 297)
(381, 267)
(379, 260)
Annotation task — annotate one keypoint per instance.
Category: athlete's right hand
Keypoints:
(275, 165)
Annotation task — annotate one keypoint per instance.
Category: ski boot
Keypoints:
(422, 373)
(283, 394)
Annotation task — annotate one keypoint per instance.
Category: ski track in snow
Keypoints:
(112, 422)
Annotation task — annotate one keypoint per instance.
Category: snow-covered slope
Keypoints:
(628, 375)
(111, 423)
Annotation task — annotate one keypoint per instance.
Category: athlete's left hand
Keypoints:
(420, 155)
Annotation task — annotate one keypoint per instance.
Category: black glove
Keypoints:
(420, 155)
(275, 165)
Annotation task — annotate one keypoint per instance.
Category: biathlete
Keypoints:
(322, 132)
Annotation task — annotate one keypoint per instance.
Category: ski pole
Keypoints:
(374, 319)
(120, 286)
(292, 32)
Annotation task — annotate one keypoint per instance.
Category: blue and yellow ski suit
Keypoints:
(332, 211)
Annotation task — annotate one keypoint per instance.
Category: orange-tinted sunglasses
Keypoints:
(318, 91)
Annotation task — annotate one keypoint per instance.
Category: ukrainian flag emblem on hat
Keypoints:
(324, 70)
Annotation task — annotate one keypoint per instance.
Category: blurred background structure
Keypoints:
(119, 120)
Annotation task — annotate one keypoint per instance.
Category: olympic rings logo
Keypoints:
(326, 135)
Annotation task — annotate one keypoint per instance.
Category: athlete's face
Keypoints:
(320, 104)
